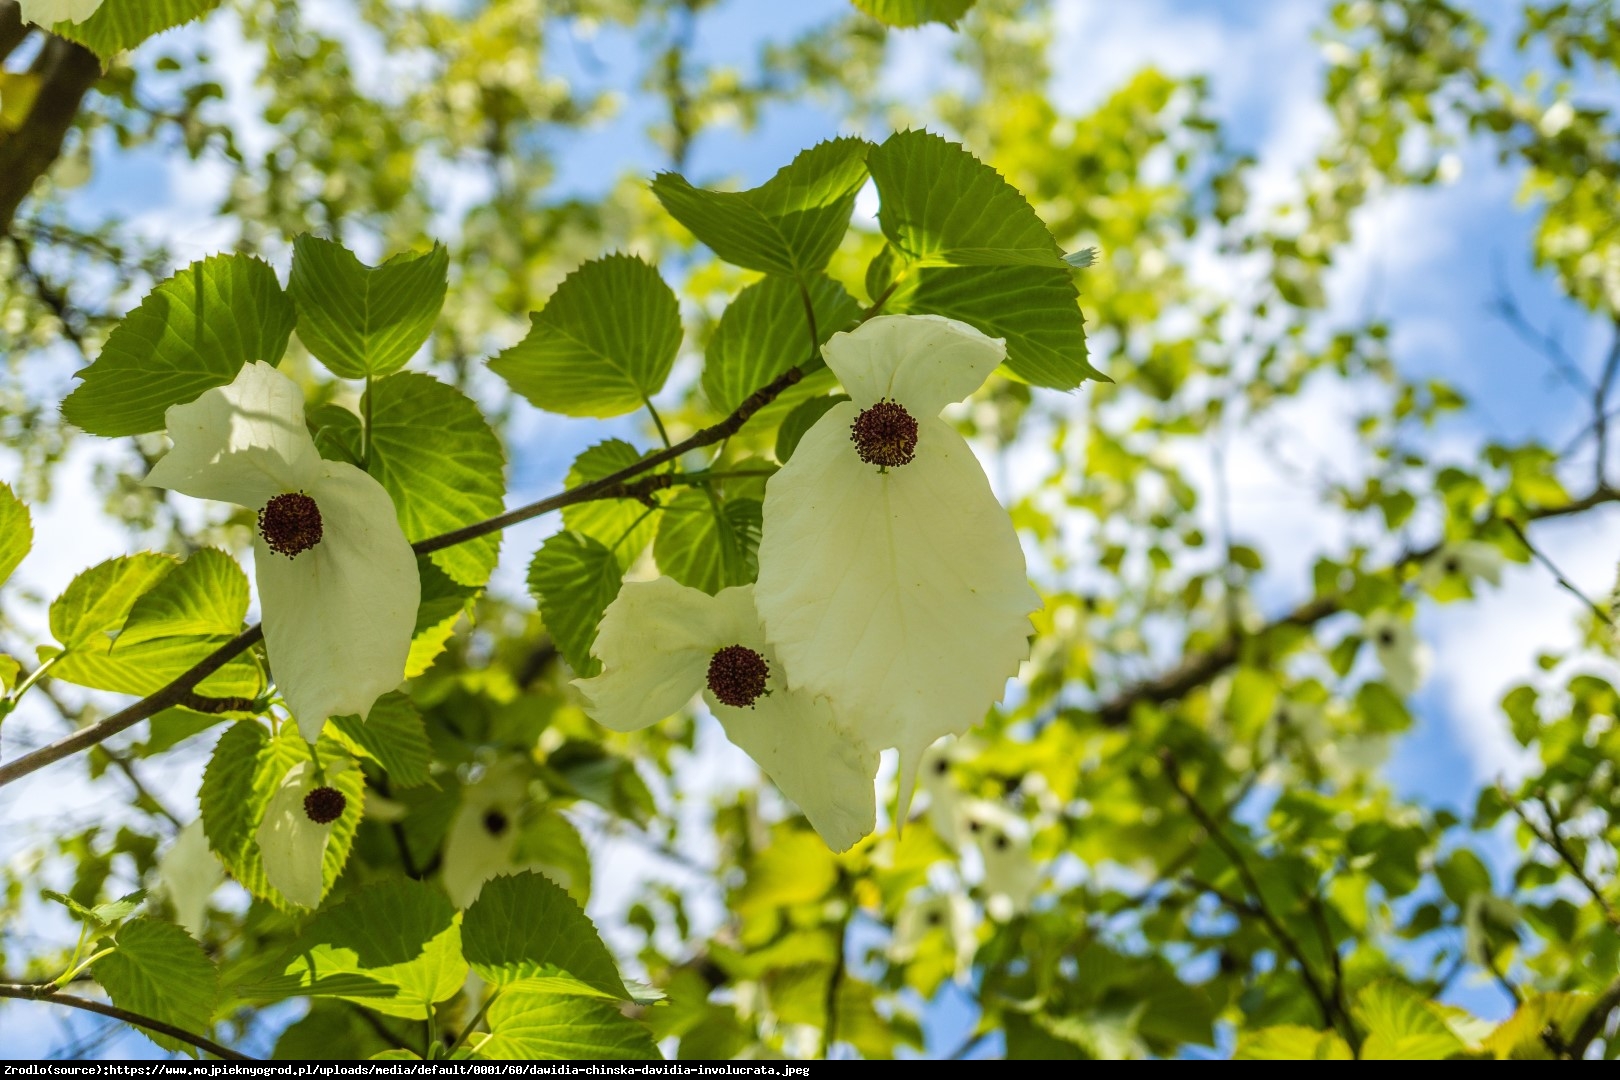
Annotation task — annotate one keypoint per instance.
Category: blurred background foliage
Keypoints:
(1176, 837)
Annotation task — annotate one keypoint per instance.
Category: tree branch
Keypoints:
(66, 72)
(30, 992)
(1555, 840)
(617, 486)
(1596, 1018)
(1196, 670)
(1332, 1013)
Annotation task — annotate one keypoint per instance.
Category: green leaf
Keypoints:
(205, 595)
(625, 526)
(434, 452)
(339, 435)
(393, 736)
(1289, 1042)
(442, 605)
(527, 1023)
(247, 767)
(574, 579)
(1035, 309)
(789, 225)
(192, 333)
(525, 925)
(98, 602)
(708, 545)
(941, 206)
(119, 24)
(102, 915)
(361, 320)
(157, 970)
(764, 332)
(401, 933)
(603, 345)
(16, 532)
(915, 12)
(1401, 1025)
(798, 422)
(797, 869)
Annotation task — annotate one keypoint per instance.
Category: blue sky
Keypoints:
(1427, 261)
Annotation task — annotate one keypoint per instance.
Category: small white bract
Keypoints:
(485, 838)
(1468, 560)
(1402, 655)
(337, 579)
(890, 578)
(297, 824)
(661, 642)
(51, 12)
(934, 777)
(188, 874)
(950, 915)
(1011, 876)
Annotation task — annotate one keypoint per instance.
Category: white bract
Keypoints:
(51, 12)
(1467, 560)
(188, 874)
(297, 824)
(661, 642)
(485, 838)
(1402, 655)
(949, 915)
(1003, 839)
(934, 777)
(890, 578)
(338, 585)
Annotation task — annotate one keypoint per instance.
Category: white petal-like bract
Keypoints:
(1399, 650)
(293, 846)
(925, 362)
(242, 443)
(189, 873)
(50, 12)
(483, 836)
(339, 615)
(656, 642)
(338, 618)
(1011, 875)
(900, 596)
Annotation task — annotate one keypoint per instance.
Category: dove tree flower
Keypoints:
(1004, 842)
(934, 777)
(188, 873)
(946, 914)
(486, 835)
(890, 578)
(51, 12)
(1402, 655)
(1465, 561)
(661, 642)
(338, 584)
(298, 822)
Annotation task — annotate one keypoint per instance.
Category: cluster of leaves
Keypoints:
(1219, 860)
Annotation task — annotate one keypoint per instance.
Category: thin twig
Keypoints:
(1596, 1019)
(1331, 1013)
(1198, 668)
(1558, 575)
(30, 992)
(1554, 839)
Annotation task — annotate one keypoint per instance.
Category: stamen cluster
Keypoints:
(737, 676)
(885, 435)
(324, 805)
(290, 523)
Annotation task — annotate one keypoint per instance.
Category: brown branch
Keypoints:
(1553, 839)
(620, 485)
(12, 29)
(216, 705)
(1332, 1012)
(1558, 575)
(1596, 1018)
(30, 992)
(66, 72)
(1196, 670)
